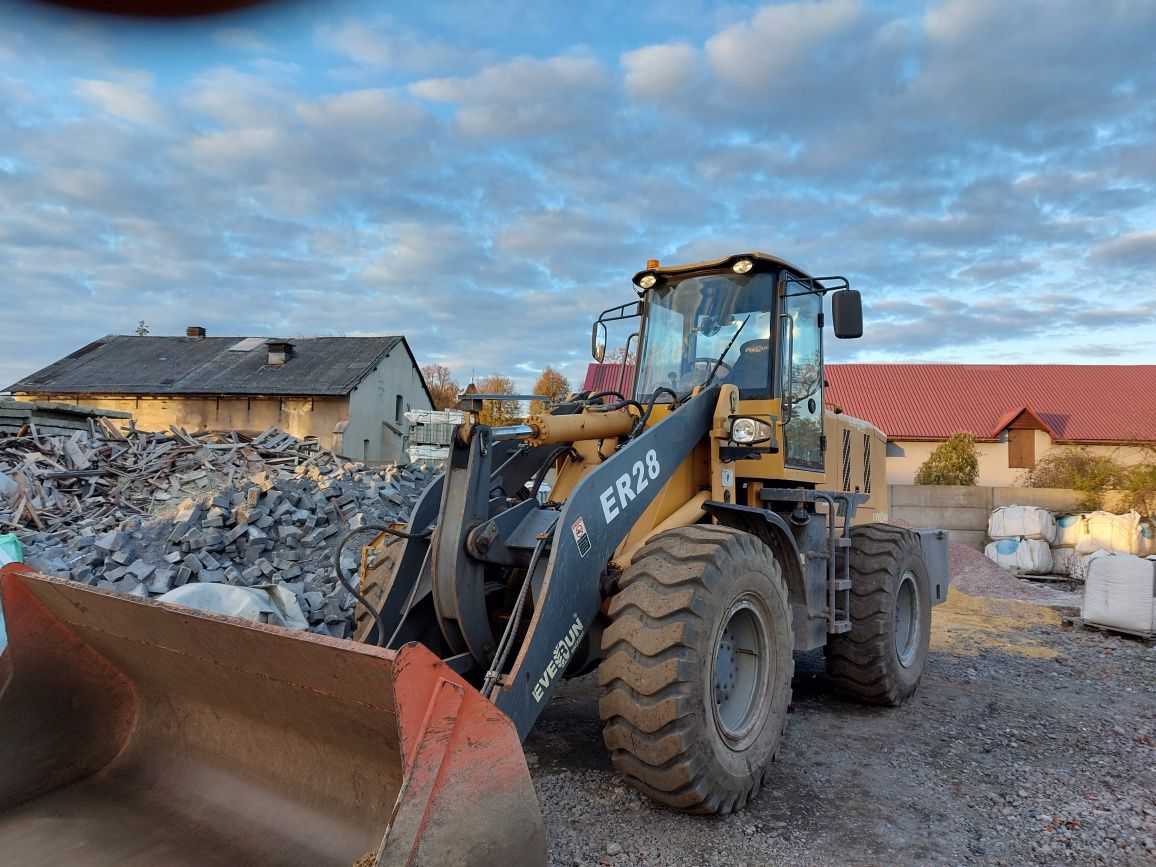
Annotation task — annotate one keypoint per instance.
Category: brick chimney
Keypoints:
(279, 351)
(194, 332)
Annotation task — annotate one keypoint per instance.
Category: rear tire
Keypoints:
(697, 669)
(880, 661)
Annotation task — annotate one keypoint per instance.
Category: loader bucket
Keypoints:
(134, 733)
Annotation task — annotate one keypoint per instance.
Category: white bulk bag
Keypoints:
(1120, 593)
(1145, 540)
(1068, 530)
(1021, 556)
(1064, 560)
(1022, 522)
(1103, 531)
(1078, 567)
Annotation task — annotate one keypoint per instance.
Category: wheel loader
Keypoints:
(701, 526)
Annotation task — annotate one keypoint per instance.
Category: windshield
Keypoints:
(692, 322)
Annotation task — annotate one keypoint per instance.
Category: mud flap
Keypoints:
(134, 733)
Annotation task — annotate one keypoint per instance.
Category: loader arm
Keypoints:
(597, 516)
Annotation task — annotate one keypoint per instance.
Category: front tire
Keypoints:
(880, 661)
(697, 669)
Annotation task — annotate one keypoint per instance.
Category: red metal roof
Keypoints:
(606, 377)
(1076, 403)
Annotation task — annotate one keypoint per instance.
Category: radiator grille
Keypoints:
(846, 460)
(866, 463)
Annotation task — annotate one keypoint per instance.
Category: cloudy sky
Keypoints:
(485, 176)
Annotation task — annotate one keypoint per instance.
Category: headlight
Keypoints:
(742, 266)
(749, 430)
(646, 281)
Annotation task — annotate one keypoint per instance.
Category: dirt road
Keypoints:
(1028, 742)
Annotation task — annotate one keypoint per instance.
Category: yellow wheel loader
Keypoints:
(697, 531)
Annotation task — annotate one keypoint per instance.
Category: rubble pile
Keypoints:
(144, 513)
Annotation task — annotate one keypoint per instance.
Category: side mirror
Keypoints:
(598, 341)
(847, 313)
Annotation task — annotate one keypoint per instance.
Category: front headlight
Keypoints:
(749, 430)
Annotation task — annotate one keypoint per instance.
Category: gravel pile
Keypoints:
(278, 523)
(976, 575)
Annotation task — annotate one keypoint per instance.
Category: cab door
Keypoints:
(801, 376)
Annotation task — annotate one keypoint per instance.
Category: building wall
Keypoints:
(300, 416)
(904, 457)
(377, 429)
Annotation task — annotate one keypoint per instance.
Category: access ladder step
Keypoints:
(839, 627)
(842, 583)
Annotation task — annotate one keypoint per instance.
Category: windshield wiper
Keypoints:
(718, 363)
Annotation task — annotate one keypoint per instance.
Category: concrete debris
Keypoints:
(153, 512)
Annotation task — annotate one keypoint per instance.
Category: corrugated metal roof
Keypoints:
(1077, 403)
(128, 364)
(607, 377)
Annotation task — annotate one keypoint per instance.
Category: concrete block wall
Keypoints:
(963, 511)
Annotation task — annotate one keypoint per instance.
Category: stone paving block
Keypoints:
(161, 581)
(140, 569)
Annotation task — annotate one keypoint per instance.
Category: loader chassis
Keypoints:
(515, 594)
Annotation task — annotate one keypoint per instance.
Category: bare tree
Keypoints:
(442, 387)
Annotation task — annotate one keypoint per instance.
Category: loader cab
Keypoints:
(753, 321)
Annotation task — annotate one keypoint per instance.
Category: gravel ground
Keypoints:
(1027, 743)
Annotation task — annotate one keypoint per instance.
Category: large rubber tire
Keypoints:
(697, 669)
(880, 661)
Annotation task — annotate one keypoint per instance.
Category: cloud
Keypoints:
(766, 51)
(127, 100)
(228, 97)
(525, 96)
(661, 73)
(1137, 250)
(364, 118)
(486, 177)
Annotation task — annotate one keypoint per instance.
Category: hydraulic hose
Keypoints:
(350, 586)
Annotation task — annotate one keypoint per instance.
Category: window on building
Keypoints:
(397, 407)
(1021, 449)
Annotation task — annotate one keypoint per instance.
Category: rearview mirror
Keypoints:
(847, 313)
(598, 342)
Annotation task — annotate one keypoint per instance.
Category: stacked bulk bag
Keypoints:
(1065, 560)
(1080, 563)
(1145, 539)
(1021, 556)
(1021, 537)
(1022, 522)
(1120, 593)
(1118, 534)
(1067, 531)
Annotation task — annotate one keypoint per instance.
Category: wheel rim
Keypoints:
(739, 671)
(907, 625)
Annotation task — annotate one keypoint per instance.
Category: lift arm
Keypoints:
(599, 513)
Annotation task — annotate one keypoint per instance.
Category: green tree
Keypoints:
(442, 387)
(955, 462)
(550, 384)
(1140, 485)
(498, 412)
